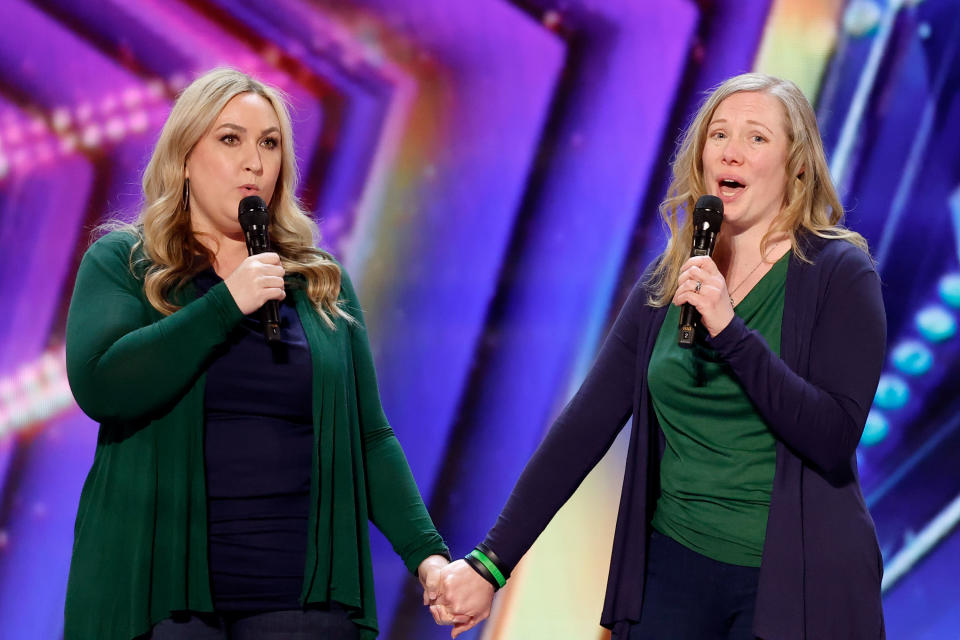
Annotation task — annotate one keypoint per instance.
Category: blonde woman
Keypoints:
(233, 478)
(741, 515)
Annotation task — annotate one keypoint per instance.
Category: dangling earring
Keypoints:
(186, 194)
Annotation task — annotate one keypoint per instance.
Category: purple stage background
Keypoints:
(489, 172)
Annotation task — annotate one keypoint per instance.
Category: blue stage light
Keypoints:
(949, 288)
(936, 324)
(892, 392)
(912, 357)
(876, 428)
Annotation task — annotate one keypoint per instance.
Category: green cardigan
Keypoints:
(140, 542)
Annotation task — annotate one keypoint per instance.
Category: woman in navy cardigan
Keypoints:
(741, 515)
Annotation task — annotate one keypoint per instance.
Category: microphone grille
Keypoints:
(709, 210)
(253, 212)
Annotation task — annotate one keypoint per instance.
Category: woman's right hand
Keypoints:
(463, 594)
(258, 278)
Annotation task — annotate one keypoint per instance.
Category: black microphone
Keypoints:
(707, 218)
(254, 220)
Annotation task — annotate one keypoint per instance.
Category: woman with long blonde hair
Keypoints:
(233, 477)
(741, 515)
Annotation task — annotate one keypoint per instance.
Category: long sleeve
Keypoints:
(395, 504)
(820, 417)
(122, 362)
(577, 440)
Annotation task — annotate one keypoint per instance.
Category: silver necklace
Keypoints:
(744, 281)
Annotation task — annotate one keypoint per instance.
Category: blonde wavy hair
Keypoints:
(810, 202)
(169, 245)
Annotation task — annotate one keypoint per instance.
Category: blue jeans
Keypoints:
(310, 624)
(689, 596)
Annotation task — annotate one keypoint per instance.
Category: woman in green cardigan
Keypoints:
(233, 478)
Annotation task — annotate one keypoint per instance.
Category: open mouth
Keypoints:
(729, 187)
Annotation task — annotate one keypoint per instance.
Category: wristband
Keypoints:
(495, 559)
(480, 568)
(492, 568)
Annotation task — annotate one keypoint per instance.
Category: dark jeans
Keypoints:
(689, 596)
(311, 624)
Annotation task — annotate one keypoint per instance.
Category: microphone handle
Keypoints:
(689, 316)
(689, 319)
(270, 319)
(258, 241)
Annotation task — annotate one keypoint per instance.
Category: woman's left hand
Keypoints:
(429, 574)
(710, 297)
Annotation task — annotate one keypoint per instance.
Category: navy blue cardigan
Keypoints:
(821, 566)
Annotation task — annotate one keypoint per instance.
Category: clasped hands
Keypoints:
(456, 594)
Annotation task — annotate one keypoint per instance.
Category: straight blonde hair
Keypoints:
(163, 225)
(810, 202)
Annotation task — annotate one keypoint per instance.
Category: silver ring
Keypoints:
(696, 289)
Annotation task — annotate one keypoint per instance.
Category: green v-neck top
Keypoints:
(717, 469)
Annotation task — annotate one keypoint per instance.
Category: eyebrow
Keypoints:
(230, 125)
(753, 122)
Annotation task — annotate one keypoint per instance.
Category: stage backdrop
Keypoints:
(489, 173)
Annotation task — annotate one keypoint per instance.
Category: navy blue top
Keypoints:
(258, 449)
(821, 566)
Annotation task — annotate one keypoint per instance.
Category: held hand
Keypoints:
(712, 300)
(258, 278)
(429, 573)
(466, 595)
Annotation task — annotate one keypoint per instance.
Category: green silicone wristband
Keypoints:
(492, 568)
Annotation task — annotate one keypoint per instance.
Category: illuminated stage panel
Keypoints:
(923, 605)
(38, 538)
(119, 30)
(56, 69)
(45, 193)
(429, 265)
(50, 173)
(42, 215)
(801, 38)
(170, 44)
